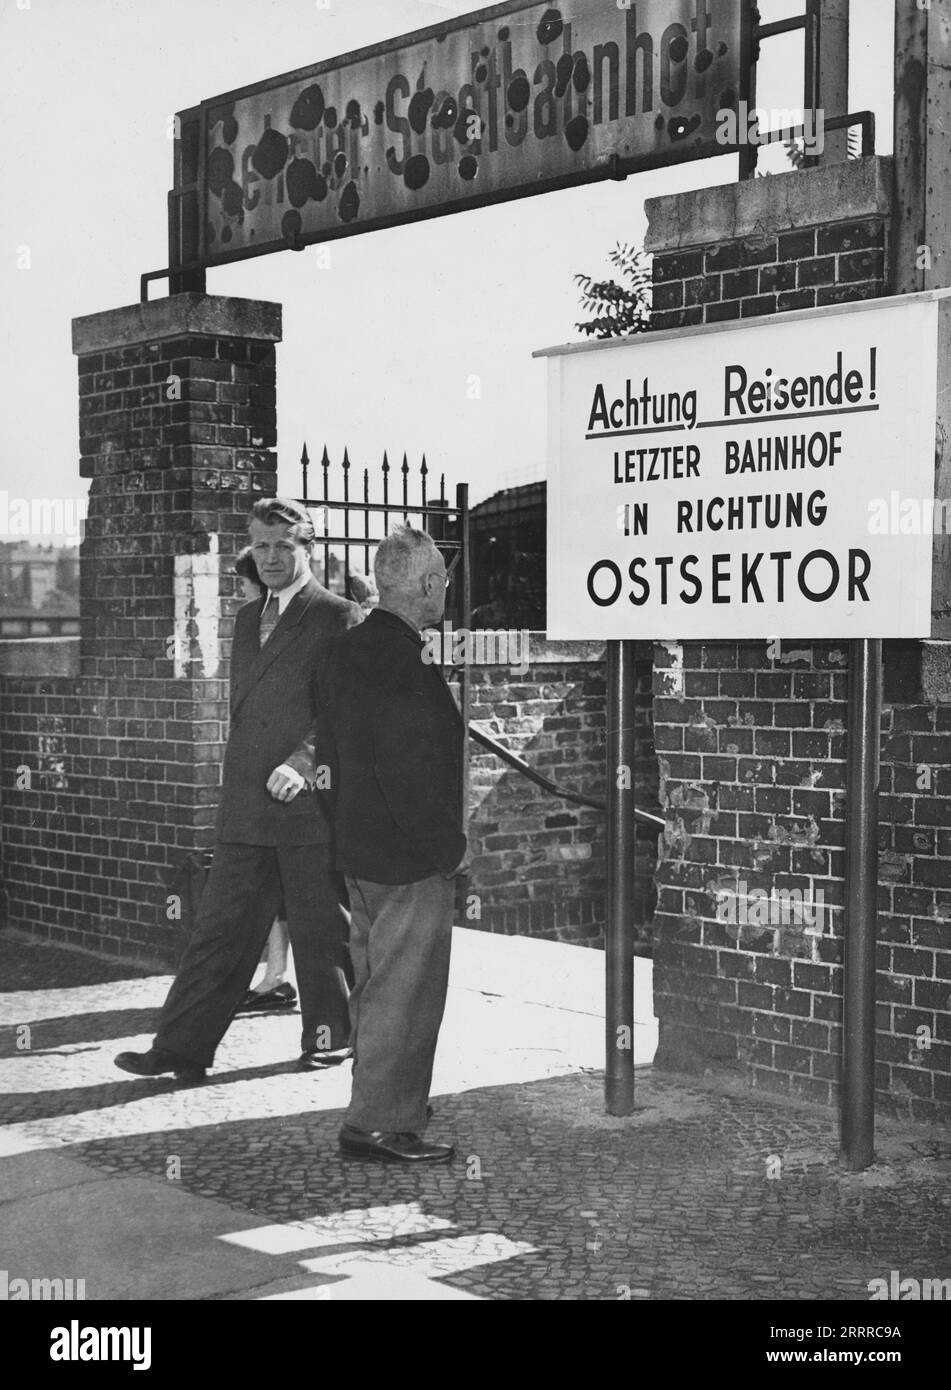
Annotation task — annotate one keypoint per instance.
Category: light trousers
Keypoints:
(400, 940)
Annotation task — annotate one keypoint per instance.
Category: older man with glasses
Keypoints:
(398, 742)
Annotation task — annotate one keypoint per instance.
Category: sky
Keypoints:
(382, 344)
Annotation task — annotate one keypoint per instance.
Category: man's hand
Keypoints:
(284, 783)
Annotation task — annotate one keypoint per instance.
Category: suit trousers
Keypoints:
(400, 939)
(240, 899)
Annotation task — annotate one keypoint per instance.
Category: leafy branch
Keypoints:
(617, 307)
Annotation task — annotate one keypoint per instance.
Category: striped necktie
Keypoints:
(269, 619)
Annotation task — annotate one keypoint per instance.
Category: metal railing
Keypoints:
(648, 818)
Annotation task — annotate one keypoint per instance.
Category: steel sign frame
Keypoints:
(190, 198)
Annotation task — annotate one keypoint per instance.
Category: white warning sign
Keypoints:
(769, 479)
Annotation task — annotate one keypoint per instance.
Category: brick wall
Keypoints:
(539, 866)
(109, 779)
(752, 767)
(95, 843)
(751, 738)
(770, 274)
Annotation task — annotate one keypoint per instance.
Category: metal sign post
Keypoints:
(861, 904)
(619, 932)
(920, 260)
(833, 79)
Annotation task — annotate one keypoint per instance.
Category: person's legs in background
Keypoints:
(273, 993)
(278, 944)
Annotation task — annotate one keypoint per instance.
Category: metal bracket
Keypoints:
(168, 272)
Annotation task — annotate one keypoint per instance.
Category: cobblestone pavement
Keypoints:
(707, 1192)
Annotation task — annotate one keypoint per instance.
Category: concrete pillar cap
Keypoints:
(178, 316)
(763, 207)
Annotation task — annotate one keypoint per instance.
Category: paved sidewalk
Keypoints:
(235, 1190)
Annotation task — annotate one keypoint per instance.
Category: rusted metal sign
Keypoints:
(509, 101)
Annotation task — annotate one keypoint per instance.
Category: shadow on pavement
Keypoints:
(76, 1030)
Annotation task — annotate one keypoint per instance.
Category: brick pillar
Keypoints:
(751, 741)
(177, 427)
(177, 434)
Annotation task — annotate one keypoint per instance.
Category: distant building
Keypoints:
(507, 533)
(39, 590)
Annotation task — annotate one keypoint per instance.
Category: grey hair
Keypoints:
(400, 558)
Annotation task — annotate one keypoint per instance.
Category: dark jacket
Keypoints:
(272, 719)
(398, 744)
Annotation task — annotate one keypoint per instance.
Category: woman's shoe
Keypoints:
(279, 999)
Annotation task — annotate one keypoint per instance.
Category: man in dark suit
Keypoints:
(272, 829)
(396, 739)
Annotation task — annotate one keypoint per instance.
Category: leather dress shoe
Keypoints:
(280, 998)
(397, 1147)
(155, 1062)
(320, 1061)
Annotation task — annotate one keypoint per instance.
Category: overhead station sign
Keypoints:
(512, 100)
(769, 480)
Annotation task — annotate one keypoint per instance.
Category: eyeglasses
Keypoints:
(449, 569)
